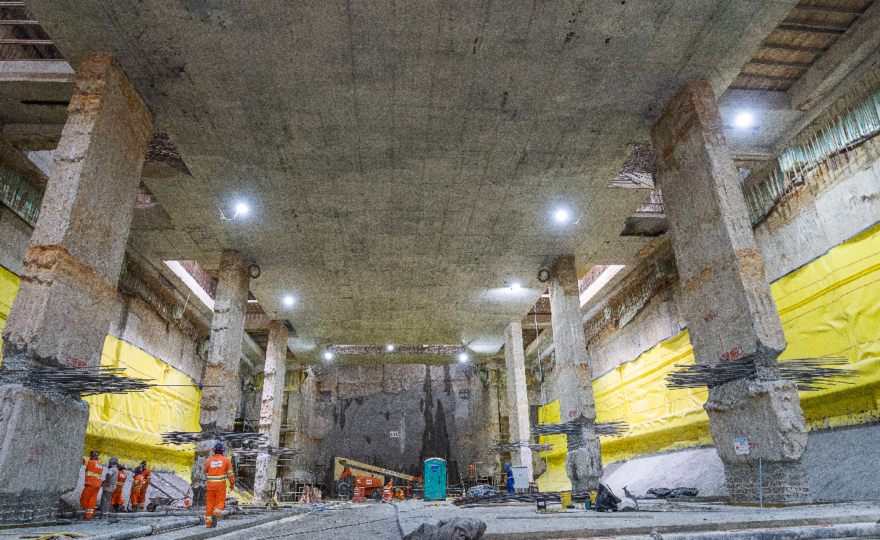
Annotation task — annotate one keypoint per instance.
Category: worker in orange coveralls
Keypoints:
(146, 483)
(218, 468)
(89, 497)
(116, 501)
(135, 498)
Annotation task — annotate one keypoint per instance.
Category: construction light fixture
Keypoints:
(288, 301)
(389, 347)
(242, 209)
(515, 287)
(328, 355)
(743, 120)
(463, 357)
(561, 216)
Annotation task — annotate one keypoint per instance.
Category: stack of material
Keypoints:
(503, 498)
(267, 450)
(611, 429)
(86, 381)
(516, 447)
(243, 439)
(807, 373)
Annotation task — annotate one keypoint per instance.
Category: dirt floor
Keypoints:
(377, 521)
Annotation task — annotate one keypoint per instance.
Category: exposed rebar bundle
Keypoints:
(85, 381)
(502, 498)
(237, 438)
(615, 428)
(808, 373)
(516, 447)
(270, 450)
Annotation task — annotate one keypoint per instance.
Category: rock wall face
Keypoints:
(396, 416)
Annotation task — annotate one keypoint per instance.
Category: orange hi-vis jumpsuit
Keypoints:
(146, 483)
(218, 469)
(117, 493)
(93, 486)
(135, 498)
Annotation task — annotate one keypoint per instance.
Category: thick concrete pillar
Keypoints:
(583, 463)
(726, 300)
(517, 394)
(68, 285)
(493, 427)
(292, 421)
(272, 404)
(221, 371)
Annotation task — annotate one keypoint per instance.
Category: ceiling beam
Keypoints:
(850, 51)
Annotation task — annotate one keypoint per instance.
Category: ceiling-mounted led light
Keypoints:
(389, 347)
(463, 357)
(743, 120)
(241, 208)
(561, 215)
(515, 287)
(328, 355)
(288, 301)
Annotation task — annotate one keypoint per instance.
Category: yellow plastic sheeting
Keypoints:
(128, 425)
(660, 419)
(554, 478)
(8, 289)
(830, 307)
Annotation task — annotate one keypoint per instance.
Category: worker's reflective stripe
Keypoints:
(215, 478)
(93, 474)
(229, 473)
(120, 483)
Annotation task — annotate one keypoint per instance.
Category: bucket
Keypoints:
(566, 499)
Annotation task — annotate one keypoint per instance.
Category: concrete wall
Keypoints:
(15, 233)
(137, 323)
(436, 411)
(832, 209)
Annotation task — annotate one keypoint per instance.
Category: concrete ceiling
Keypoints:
(402, 159)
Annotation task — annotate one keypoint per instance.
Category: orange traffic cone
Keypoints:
(358, 496)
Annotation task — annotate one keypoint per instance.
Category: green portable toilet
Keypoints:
(435, 479)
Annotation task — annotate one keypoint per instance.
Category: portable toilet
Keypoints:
(435, 479)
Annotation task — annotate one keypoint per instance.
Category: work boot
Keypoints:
(216, 519)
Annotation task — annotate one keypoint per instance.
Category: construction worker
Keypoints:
(218, 468)
(108, 487)
(116, 501)
(509, 478)
(93, 484)
(145, 472)
(135, 498)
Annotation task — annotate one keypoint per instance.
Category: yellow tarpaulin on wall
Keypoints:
(127, 425)
(829, 307)
(554, 478)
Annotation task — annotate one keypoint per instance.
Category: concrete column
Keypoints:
(517, 394)
(68, 285)
(583, 463)
(227, 329)
(726, 300)
(292, 438)
(493, 426)
(272, 404)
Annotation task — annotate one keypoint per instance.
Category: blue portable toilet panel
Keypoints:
(435, 479)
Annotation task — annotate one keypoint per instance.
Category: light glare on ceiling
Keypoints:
(389, 348)
(561, 215)
(328, 355)
(463, 357)
(288, 300)
(743, 120)
(242, 209)
(515, 287)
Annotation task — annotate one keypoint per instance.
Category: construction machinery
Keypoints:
(352, 474)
